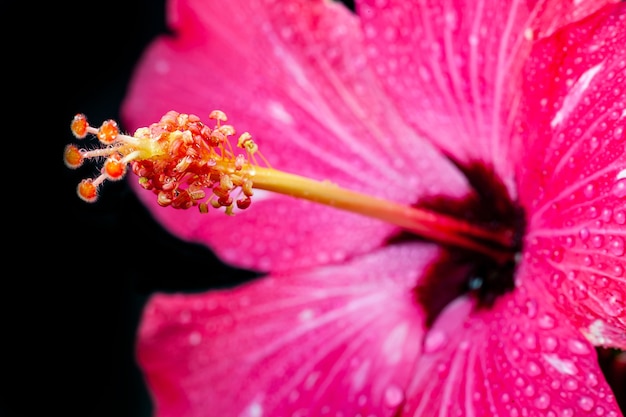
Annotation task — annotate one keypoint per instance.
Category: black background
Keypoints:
(77, 275)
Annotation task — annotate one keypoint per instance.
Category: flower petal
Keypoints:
(333, 339)
(454, 67)
(573, 178)
(294, 74)
(520, 358)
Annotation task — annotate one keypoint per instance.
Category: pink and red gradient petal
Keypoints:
(573, 174)
(337, 338)
(301, 83)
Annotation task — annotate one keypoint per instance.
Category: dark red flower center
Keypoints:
(460, 271)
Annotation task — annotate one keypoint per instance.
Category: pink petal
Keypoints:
(453, 68)
(521, 358)
(573, 179)
(336, 339)
(294, 74)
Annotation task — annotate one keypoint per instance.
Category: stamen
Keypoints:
(186, 163)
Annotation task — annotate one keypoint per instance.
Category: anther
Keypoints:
(87, 190)
(114, 168)
(218, 115)
(108, 132)
(72, 157)
(79, 126)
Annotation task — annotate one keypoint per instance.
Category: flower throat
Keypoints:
(188, 164)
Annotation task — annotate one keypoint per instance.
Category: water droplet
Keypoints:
(570, 384)
(394, 396)
(533, 369)
(613, 306)
(589, 191)
(529, 391)
(542, 401)
(616, 246)
(515, 354)
(593, 212)
(592, 379)
(599, 411)
(584, 234)
(185, 316)
(557, 255)
(546, 321)
(564, 366)
(293, 396)
(577, 347)
(585, 403)
(597, 241)
(434, 341)
(618, 271)
(606, 215)
(587, 260)
(531, 308)
(530, 341)
(619, 217)
(567, 412)
(556, 279)
(619, 188)
(550, 343)
(195, 338)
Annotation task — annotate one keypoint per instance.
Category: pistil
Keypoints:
(187, 163)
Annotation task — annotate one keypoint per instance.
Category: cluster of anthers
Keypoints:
(179, 159)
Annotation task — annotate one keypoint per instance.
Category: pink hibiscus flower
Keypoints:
(506, 115)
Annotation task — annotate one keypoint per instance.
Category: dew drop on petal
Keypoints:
(434, 341)
(195, 338)
(546, 321)
(592, 380)
(533, 369)
(597, 241)
(557, 255)
(550, 343)
(585, 403)
(556, 279)
(616, 246)
(394, 396)
(570, 384)
(613, 306)
(584, 234)
(530, 341)
(577, 347)
(619, 217)
(619, 188)
(542, 401)
(529, 391)
(589, 191)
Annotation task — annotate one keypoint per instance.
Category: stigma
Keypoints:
(183, 161)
